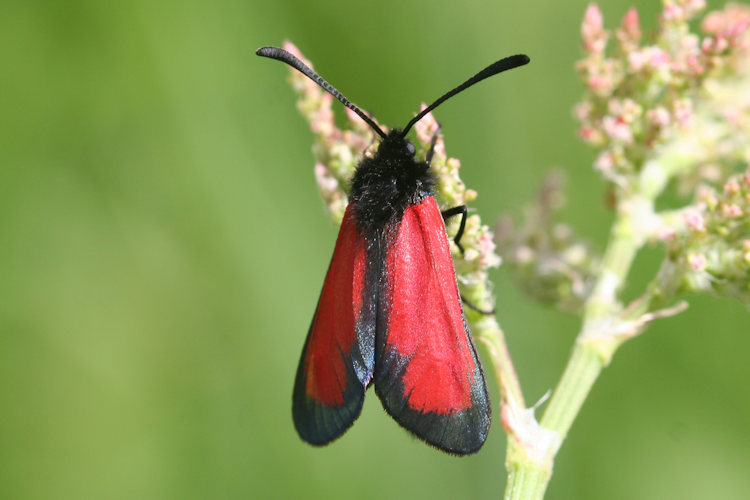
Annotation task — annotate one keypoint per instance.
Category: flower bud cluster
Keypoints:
(546, 258)
(674, 110)
(336, 150)
(678, 90)
(712, 253)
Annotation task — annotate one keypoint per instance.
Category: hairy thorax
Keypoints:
(385, 184)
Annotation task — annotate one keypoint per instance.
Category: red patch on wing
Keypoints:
(426, 324)
(332, 333)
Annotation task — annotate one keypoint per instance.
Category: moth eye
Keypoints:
(410, 147)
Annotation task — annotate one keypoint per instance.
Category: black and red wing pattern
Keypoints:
(427, 373)
(337, 360)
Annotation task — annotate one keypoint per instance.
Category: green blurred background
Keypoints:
(162, 246)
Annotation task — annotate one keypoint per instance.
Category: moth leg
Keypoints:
(470, 305)
(461, 209)
(451, 212)
(431, 151)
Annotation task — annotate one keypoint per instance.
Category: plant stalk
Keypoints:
(527, 478)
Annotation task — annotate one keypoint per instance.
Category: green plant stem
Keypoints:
(582, 370)
(489, 332)
(525, 482)
(594, 348)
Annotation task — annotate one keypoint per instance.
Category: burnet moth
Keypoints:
(390, 313)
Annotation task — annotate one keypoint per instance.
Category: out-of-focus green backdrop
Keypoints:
(162, 246)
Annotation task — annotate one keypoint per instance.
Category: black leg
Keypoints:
(461, 209)
(453, 212)
(431, 151)
(472, 306)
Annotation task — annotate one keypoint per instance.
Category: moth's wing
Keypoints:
(337, 361)
(427, 373)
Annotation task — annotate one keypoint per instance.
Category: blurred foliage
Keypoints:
(162, 246)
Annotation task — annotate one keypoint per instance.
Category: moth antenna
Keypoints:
(491, 70)
(284, 56)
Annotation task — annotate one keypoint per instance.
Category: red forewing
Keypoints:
(427, 373)
(337, 360)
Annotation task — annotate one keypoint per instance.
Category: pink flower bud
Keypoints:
(637, 60)
(617, 129)
(593, 21)
(682, 10)
(697, 262)
(683, 112)
(486, 246)
(673, 12)
(731, 210)
(720, 44)
(707, 196)
(694, 221)
(600, 84)
(731, 22)
(631, 25)
(326, 182)
(666, 233)
(629, 32)
(582, 110)
(694, 65)
(692, 7)
(605, 162)
(652, 57)
(658, 116)
(626, 109)
(657, 57)
(593, 33)
(587, 133)
(592, 30)
(732, 187)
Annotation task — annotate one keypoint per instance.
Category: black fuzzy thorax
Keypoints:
(384, 185)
